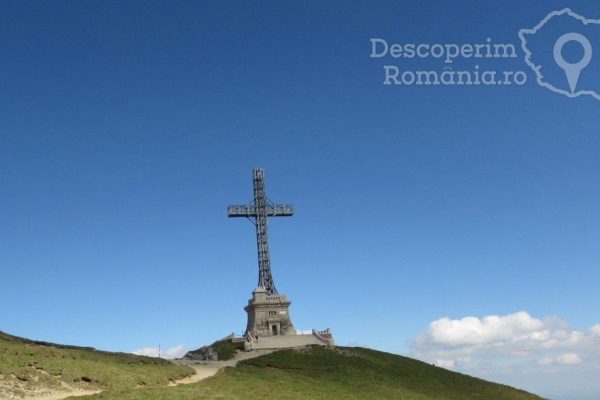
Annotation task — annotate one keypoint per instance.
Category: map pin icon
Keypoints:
(572, 70)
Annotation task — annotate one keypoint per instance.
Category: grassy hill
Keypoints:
(28, 367)
(341, 373)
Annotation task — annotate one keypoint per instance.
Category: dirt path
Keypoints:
(206, 369)
(202, 372)
(63, 395)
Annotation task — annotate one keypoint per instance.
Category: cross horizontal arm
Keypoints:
(272, 210)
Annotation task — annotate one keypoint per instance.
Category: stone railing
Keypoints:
(324, 336)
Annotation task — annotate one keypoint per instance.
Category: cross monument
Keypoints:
(268, 311)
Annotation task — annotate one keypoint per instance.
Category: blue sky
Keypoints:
(127, 128)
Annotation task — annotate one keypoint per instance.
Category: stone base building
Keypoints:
(270, 325)
(268, 315)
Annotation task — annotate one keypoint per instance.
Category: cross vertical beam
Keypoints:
(258, 213)
(265, 277)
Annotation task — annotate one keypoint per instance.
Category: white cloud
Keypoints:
(444, 363)
(472, 330)
(545, 361)
(569, 359)
(175, 352)
(510, 343)
(565, 359)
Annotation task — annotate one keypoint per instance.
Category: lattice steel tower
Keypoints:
(258, 212)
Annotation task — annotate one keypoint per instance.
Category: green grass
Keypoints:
(27, 365)
(329, 374)
(225, 349)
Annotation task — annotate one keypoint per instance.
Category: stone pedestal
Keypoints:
(268, 315)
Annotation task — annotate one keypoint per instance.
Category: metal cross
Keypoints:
(258, 212)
